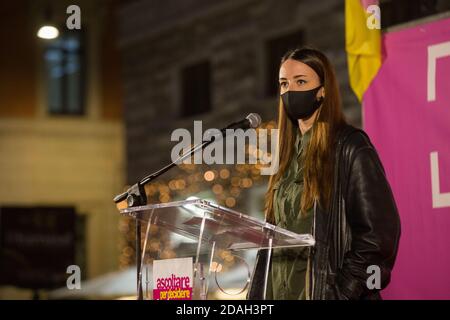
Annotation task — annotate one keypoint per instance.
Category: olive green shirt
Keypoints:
(287, 277)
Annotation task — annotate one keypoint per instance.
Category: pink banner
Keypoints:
(406, 112)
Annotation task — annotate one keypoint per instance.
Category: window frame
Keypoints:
(63, 109)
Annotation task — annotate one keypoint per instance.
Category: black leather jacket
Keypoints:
(361, 229)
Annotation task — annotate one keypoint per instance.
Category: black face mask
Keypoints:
(301, 104)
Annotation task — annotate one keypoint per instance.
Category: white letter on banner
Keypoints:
(435, 52)
(440, 200)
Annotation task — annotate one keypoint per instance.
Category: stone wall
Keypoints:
(158, 39)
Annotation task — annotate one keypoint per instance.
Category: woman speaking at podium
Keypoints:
(330, 183)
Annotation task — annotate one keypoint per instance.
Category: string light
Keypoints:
(217, 189)
(164, 198)
(235, 181)
(224, 174)
(227, 184)
(180, 184)
(209, 175)
(230, 202)
(172, 185)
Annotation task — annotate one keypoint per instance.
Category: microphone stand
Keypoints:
(136, 196)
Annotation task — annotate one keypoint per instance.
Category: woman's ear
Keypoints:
(320, 93)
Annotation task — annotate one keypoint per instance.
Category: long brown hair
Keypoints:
(318, 157)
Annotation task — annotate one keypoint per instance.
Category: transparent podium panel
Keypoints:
(218, 243)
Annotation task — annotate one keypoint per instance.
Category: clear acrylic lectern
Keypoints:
(213, 236)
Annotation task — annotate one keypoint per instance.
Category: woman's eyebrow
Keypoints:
(295, 77)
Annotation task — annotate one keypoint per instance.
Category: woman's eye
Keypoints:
(283, 84)
(300, 82)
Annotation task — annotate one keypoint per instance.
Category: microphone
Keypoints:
(135, 195)
(253, 120)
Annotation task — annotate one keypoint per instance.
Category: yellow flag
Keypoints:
(362, 43)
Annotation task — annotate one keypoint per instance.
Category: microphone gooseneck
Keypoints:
(135, 195)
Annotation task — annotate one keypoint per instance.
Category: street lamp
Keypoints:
(48, 31)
